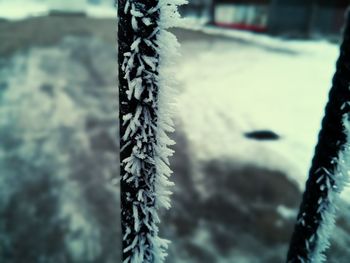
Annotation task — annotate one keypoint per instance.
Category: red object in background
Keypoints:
(243, 26)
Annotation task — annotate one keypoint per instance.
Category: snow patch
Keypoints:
(19, 9)
(286, 212)
(230, 87)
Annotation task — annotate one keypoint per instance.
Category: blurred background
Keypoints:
(253, 80)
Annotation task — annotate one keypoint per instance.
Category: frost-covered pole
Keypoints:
(329, 169)
(145, 50)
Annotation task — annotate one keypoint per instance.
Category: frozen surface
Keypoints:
(255, 83)
(15, 10)
(232, 201)
(21, 9)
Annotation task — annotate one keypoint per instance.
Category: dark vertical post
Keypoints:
(316, 215)
(212, 12)
(312, 18)
(138, 29)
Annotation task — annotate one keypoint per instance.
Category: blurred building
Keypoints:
(241, 14)
(197, 8)
(290, 17)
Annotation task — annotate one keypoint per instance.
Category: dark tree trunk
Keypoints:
(311, 233)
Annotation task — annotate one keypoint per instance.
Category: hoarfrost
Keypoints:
(151, 88)
(329, 204)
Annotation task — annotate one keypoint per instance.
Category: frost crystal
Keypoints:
(328, 205)
(331, 184)
(329, 170)
(145, 90)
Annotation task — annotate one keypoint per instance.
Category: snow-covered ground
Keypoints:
(19, 9)
(58, 106)
(229, 88)
(266, 83)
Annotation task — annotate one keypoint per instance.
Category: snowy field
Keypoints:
(32, 8)
(242, 83)
(247, 82)
(235, 198)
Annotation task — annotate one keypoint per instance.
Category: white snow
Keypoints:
(101, 11)
(16, 10)
(250, 82)
(235, 85)
(286, 212)
(230, 87)
(21, 9)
